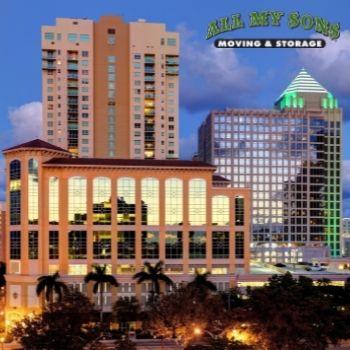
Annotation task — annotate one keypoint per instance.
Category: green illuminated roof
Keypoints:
(304, 82)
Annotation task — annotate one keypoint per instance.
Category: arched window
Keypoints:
(197, 201)
(15, 192)
(77, 200)
(54, 200)
(102, 201)
(126, 201)
(33, 192)
(150, 201)
(173, 202)
(220, 210)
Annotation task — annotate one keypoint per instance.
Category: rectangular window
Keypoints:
(72, 37)
(171, 42)
(173, 245)
(15, 245)
(126, 245)
(197, 244)
(53, 245)
(239, 211)
(77, 245)
(220, 244)
(111, 59)
(33, 245)
(85, 53)
(239, 245)
(49, 36)
(84, 37)
(102, 244)
(150, 244)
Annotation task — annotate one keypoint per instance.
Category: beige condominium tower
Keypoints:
(110, 88)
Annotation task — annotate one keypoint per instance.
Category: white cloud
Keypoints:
(26, 122)
(188, 146)
(211, 77)
(331, 64)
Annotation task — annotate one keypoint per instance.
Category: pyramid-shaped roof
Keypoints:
(304, 82)
(37, 143)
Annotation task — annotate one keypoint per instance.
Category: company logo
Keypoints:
(294, 20)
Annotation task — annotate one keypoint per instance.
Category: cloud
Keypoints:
(331, 65)
(211, 77)
(188, 146)
(26, 122)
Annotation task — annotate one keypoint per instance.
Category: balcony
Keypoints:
(149, 87)
(48, 66)
(149, 70)
(73, 92)
(73, 102)
(149, 78)
(72, 76)
(72, 58)
(149, 59)
(72, 66)
(172, 61)
(149, 128)
(172, 70)
(73, 110)
(72, 84)
(149, 96)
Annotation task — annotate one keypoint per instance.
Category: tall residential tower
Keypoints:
(110, 88)
(291, 158)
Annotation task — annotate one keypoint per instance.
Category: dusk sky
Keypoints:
(210, 78)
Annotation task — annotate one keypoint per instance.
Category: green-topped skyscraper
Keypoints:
(291, 158)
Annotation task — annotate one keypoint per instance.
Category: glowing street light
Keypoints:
(197, 331)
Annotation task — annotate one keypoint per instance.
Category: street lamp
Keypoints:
(197, 331)
(2, 341)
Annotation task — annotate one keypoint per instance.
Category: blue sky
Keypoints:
(210, 78)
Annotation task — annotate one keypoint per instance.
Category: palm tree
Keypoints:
(155, 275)
(50, 285)
(201, 282)
(100, 277)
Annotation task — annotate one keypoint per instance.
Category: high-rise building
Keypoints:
(2, 231)
(291, 158)
(110, 88)
(68, 213)
(346, 237)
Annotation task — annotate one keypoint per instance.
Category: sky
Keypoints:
(210, 78)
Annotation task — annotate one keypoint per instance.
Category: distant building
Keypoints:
(291, 158)
(346, 236)
(66, 214)
(2, 231)
(111, 88)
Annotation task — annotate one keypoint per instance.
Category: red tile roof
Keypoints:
(37, 143)
(218, 178)
(129, 162)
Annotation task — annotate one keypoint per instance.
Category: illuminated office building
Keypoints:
(290, 157)
(66, 214)
(110, 88)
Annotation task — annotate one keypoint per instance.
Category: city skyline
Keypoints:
(250, 74)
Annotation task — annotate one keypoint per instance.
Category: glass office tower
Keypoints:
(291, 158)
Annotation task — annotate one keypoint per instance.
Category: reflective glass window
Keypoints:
(77, 200)
(239, 211)
(150, 201)
(173, 245)
(33, 245)
(197, 202)
(53, 200)
(15, 245)
(173, 202)
(102, 244)
(239, 245)
(197, 244)
(220, 244)
(77, 245)
(220, 210)
(102, 201)
(126, 201)
(15, 192)
(33, 192)
(150, 245)
(126, 245)
(53, 245)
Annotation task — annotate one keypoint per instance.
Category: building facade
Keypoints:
(346, 237)
(110, 88)
(66, 214)
(290, 157)
(2, 230)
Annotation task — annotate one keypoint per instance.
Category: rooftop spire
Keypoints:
(304, 82)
